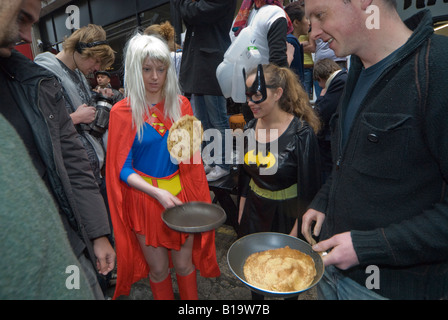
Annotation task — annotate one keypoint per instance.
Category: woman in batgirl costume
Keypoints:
(281, 170)
(143, 180)
(280, 173)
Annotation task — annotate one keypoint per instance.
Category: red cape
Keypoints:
(131, 264)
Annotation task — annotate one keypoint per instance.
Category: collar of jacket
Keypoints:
(420, 24)
(9, 66)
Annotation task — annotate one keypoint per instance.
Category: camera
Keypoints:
(103, 106)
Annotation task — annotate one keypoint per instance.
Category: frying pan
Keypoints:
(241, 249)
(194, 217)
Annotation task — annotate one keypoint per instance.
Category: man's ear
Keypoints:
(365, 4)
(296, 23)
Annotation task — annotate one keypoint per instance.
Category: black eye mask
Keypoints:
(259, 85)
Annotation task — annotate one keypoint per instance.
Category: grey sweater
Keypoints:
(34, 245)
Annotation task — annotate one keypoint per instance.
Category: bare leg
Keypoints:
(159, 274)
(157, 259)
(182, 259)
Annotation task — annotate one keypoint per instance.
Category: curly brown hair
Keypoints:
(166, 31)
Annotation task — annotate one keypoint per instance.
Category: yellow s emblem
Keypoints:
(259, 159)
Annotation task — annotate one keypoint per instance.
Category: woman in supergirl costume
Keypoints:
(143, 180)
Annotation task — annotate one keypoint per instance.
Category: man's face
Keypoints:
(336, 22)
(9, 24)
(20, 27)
(87, 65)
(304, 26)
(102, 80)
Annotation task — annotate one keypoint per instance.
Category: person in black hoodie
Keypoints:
(383, 212)
(207, 38)
(332, 81)
(301, 24)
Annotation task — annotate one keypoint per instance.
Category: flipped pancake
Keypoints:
(185, 138)
(280, 270)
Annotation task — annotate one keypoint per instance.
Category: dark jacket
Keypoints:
(39, 96)
(387, 184)
(297, 161)
(297, 61)
(207, 38)
(326, 106)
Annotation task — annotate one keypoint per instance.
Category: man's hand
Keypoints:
(308, 219)
(105, 255)
(290, 52)
(84, 114)
(342, 254)
(107, 92)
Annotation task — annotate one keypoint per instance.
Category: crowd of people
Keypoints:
(359, 172)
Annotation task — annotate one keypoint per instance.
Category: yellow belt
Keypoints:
(288, 193)
(172, 184)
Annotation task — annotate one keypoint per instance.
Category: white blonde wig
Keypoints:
(139, 48)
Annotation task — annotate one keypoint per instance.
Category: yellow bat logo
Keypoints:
(259, 159)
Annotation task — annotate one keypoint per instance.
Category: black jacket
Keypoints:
(326, 106)
(387, 184)
(297, 161)
(208, 25)
(39, 96)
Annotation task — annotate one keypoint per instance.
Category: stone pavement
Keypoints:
(224, 287)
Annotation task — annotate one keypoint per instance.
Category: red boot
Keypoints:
(188, 288)
(162, 290)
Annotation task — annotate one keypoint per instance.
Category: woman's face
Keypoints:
(154, 76)
(266, 107)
